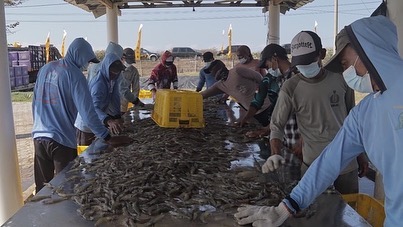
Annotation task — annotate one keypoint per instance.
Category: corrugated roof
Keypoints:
(98, 7)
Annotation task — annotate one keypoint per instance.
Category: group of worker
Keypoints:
(305, 107)
(335, 135)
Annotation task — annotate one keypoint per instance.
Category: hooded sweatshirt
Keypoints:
(60, 92)
(162, 76)
(375, 125)
(104, 92)
(112, 47)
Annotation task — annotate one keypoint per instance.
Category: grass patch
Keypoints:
(21, 96)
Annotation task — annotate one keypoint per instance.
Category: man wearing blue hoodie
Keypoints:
(104, 90)
(61, 91)
(93, 68)
(367, 54)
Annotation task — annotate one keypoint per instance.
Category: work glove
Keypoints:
(272, 163)
(262, 216)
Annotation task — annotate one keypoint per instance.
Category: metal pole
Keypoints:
(10, 183)
(395, 9)
(336, 23)
(112, 24)
(274, 23)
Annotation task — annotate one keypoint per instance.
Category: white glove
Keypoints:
(262, 216)
(272, 163)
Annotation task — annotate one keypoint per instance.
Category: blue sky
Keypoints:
(166, 28)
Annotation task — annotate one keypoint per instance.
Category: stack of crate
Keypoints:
(19, 66)
(37, 57)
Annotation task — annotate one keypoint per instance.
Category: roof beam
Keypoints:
(106, 3)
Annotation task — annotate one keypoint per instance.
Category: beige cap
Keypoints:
(342, 41)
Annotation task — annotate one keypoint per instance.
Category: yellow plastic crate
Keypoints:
(368, 207)
(81, 149)
(178, 109)
(145, 94)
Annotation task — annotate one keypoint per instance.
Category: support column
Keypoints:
(112, 24)
(274, 23)
(395, 9)
(10, 183)
(336, 23)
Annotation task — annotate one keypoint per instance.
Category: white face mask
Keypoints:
(243, 60)
(359, 83)
(309, 71)
(275, 73)
(126, 64)
(207, 64)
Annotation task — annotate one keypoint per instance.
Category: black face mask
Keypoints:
(169, 63)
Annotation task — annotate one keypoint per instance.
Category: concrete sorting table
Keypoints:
(328, 210)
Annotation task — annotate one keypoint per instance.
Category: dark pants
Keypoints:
(84, 138)
(264, 117)
(50, 158)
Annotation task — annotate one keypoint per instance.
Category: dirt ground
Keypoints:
(23, 127)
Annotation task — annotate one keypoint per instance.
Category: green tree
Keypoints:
(9, 27)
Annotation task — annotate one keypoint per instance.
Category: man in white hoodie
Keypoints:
(367, 54)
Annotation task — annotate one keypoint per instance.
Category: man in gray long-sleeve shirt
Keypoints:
(129, 82)
(321, 100)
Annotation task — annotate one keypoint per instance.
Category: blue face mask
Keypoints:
(275, 73)
(359, 83)
(309, 71)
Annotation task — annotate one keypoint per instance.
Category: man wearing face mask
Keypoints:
(61, 91)
(321, 100)
(164, 74)
(275, 59)
(104, 91)
(129, 82)
(240, 83)
(246, 60)
(374, 125)
(93, 68)
(206, 78)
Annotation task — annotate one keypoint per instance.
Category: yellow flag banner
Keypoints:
(229, 42)
(63, 40)
(47, 48)
(138, 46)
(223, 39)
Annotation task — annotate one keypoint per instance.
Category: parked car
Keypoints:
(148, 55)
(234, 48)
(185, 52)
